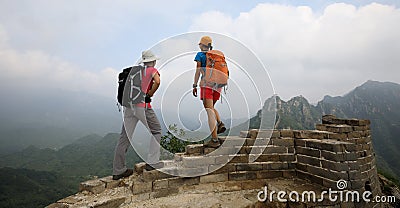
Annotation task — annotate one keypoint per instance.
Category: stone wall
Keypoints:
(339, 149)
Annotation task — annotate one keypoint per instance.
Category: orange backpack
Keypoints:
(217, 72)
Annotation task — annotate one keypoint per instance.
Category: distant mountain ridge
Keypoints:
(373, 100)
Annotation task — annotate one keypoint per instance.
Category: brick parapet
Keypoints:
(339, 149)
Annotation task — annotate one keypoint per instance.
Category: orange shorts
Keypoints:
(209, 93)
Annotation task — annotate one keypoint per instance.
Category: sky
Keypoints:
(310, 48)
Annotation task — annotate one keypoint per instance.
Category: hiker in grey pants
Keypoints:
(140, 112)
(131, 118)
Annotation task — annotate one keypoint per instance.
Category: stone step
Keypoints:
(249, 146)
(206, 160)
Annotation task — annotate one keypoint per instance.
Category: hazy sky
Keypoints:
(311, 48)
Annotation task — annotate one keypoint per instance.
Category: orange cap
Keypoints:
(205, 40)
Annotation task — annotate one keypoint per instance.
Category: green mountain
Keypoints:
(30, 188)
(376, 101)
(36, 171)
(53, 118)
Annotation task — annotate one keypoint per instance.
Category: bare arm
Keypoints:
(155, 85)
(197, 74)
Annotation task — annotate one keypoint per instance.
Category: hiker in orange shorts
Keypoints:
(208, 95)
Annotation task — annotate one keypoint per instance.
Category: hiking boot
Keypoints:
(221, 127)
(150, 167)
(125, 174)
(212, 143)
(221, 141)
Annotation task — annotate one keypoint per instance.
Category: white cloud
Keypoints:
(317, 54)
(34, 70)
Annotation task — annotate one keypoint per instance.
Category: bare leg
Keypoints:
(216, 112)
(209, 106)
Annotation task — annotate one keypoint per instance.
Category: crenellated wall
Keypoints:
(339, 149)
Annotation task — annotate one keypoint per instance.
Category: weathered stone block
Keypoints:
(353, 165)
(287, 133)
(95, 186)
(139, 187)
(302, 167)
(286, 142)
(354, 134)
(358, 122)
(243, 158)
(164, 192)
(316, 144)
(214, 178)
(245, 134)
(194, 149)
(331, 119)
(258, 142)
(320, 127)
(337, 136)
(289, 173)
(309, 160)
(300, 142)
(109, 182)
(178, 156)
(233, 141)
(139, 167)
(333, 156)
(350, 156)
(242, 175)
(250, 142)
(140, 197)
(361, 128)
(333, 147)
(309, 177)
(223, 159)
(263, 133)
(154, 175)
(58, 205)
(339, 128)
(107, 202)
(197, 161)
(266, 157)
(357, 175)
(276, 166)
(268, 150)
(160, 184)
(177, 182)
(215, 169)
(269, 174)
(70, 200)
(253, 184)
(352, 147)
(287, 157)
(365, 160)
(329, 183)
(299, 134)
(336, 166)
(308, 151)
(248, 167)
(189, 172)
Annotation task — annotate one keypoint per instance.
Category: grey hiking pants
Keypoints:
(131, 118)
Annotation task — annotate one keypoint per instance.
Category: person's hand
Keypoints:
(194, 91)
(147, 99)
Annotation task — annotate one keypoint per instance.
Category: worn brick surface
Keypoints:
(164, 192)
(214, 178)
(194, 149)
(308, 151)
(177, 182)
(139, 187)
(95, 186)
